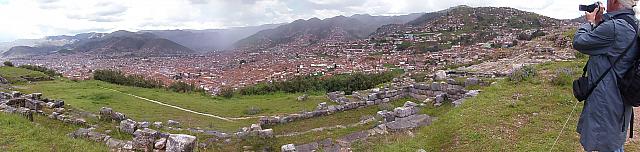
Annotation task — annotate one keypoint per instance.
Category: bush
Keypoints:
(226, 92)
(525, 73)
(8, 63)
(563, 76)
(117, 77)
(345, 82)
(252, 111)
(184, 87)
(47, 71)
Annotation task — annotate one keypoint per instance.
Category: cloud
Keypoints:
(39, 18)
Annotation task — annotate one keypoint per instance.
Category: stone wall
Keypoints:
(436, 93)
(400, 119)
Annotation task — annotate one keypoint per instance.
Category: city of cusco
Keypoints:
(319, 75)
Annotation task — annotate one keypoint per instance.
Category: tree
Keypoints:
(8, 63)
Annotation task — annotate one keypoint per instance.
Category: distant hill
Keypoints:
(469, 25)
(128, 43)
(209, 40)
(314, 30)
(118, 43)
(27, 51)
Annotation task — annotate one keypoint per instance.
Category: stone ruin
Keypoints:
(107, 114)
(147, 139)
(400, 119)
(435, 93)
(144, 138)
(28, 104)
(255, 130)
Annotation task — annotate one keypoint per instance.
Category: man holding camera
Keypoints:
(604, 120)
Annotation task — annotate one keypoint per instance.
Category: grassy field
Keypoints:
(19, 135)
(17, 75)
(92, 95)
(525, 116)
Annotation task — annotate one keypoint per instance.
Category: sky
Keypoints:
(29, 19)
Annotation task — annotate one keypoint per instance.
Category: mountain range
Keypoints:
(314, 30)
(299, 32)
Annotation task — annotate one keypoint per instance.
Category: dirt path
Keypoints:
(183, 109)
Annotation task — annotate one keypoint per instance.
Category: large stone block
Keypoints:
(267, 133)
(117, 116)
(405, 111)
(128, 126)
(180, 143)
(288, 148)
(472, 82)
(105, 113)
(144, 139)
(440, 75)
(173, 123)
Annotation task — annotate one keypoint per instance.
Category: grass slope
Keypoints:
(18, 134)
(17, 75)
(507, 116)
(91, 96)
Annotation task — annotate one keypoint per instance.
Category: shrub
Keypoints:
(8, 63)
(344, 82)
(226, 92)
(117, 77)
(184, 87)
(44, 70)
(252, 111)
(563, 76)
(525, 73)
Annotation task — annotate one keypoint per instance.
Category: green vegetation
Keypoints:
(47, 71)
(20, 75)
(563, 76)
(345, 82)
(404, 45)
(117, 77)
(7, 63)
(92, 95)
(183, 87)
(525, 116)
(19, 134)
(525, 73)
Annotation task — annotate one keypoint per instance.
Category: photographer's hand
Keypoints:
(595, 17)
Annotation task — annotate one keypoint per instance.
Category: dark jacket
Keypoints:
(604, 120)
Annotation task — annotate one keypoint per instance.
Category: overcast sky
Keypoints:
(38, 18)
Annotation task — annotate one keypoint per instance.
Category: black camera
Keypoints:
(589, 8)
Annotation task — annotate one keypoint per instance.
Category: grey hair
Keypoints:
(628, 3)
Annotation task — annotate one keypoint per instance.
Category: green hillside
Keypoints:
(19, 135)
(507, 116)
(20, 75)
